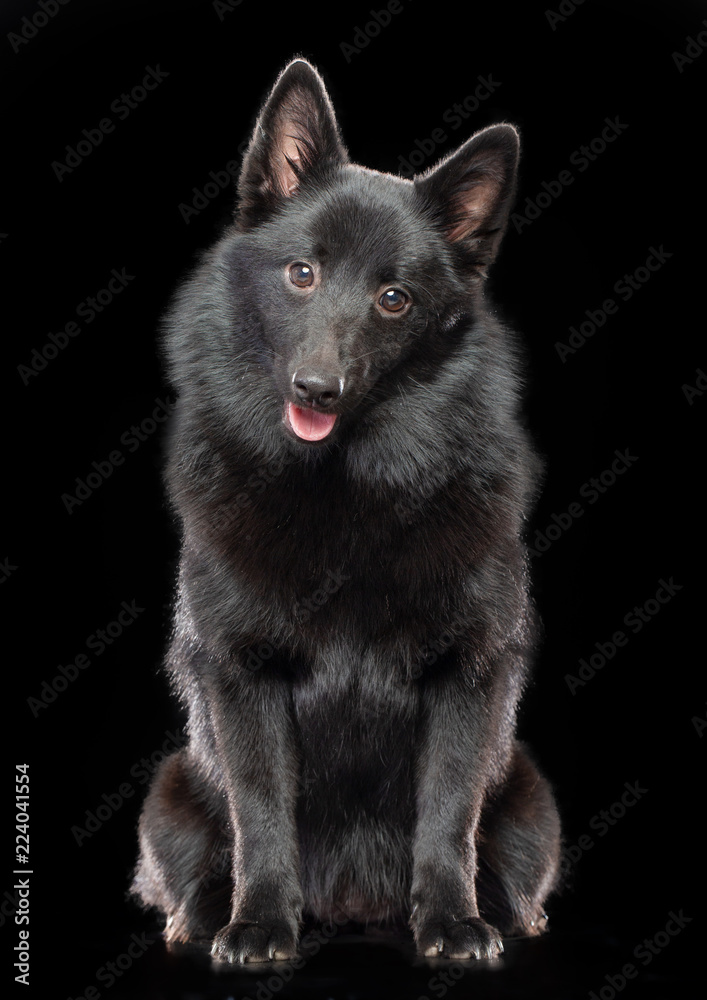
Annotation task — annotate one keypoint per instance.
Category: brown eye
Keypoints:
(301, 274)
(393, 300)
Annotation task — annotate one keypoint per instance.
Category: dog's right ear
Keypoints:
(296, 133)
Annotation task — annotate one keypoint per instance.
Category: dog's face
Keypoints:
(350, 277)
(349, 273)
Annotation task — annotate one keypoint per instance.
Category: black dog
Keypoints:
(353, 627)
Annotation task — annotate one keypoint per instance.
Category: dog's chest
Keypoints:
(356, 716)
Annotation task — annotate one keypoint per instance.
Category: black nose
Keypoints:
(315, 387)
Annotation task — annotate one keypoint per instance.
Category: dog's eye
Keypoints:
(301, 274)
(393, 300)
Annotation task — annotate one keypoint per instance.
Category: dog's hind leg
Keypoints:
(518, 850)
(184, 867)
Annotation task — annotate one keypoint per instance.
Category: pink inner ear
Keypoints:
(288, 150)
(472, 208)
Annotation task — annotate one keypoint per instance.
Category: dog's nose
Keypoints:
(316, 387)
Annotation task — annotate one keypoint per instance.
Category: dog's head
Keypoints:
(342, 275)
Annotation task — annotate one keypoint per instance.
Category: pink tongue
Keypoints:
(310, 424)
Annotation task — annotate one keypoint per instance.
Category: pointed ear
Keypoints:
(471, 192)
(295, 134)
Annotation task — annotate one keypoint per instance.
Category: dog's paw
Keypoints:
(243, 941)
(470, 937)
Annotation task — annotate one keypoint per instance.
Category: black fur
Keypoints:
(353, 624)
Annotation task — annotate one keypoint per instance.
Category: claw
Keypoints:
(498, 945)
(435, 949)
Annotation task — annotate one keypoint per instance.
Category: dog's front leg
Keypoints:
(466, 725)
(255, 745)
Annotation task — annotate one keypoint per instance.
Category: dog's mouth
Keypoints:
(307, 423)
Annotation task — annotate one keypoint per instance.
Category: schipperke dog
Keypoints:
(351, 474)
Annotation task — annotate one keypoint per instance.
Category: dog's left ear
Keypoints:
(470, 193)
(296, 133)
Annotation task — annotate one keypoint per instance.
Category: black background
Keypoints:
(67, 573)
